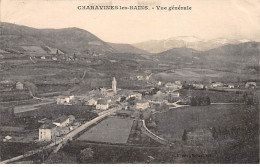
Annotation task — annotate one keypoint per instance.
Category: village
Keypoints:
(34, 119)
(163, 97)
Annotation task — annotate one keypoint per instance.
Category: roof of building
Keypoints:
(142, 101)
(102, 101)
(71, 116)
(61, 119)
(48, 126)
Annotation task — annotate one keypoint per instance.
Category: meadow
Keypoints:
(110, 130)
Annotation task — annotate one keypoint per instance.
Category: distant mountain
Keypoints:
(244, 53)
(230, 55)
(127, 48)
(68, 40)
(157, 46)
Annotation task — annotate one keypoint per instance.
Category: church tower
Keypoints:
(114, 84)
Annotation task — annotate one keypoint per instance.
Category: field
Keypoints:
(191, 118)
(228, 133)
(203, 75)
(111, 130)
(215, 96)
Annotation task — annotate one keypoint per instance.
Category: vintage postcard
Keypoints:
(129, 81)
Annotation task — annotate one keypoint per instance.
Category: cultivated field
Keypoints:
(215, 96)
(203, 75)
(174, 122)
(111, 130)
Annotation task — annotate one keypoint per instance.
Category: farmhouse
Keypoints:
(19, 86)
(102, 104)
(173, 85)
(62, 121)
(217, 84)
(231, 86)
(47, 132)
(198, 86)
(142, 105)
(92, 102)
(250, 85)
(7, 138)
(54, 58)
(64, 100)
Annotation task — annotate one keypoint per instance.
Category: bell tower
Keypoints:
(114, 84)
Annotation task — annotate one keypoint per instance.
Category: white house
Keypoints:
(47, 132)
(63, 100)
(142, 105)
(217, 84)
(102, 104)
(140, 77)
(173, 85)
(60, 101)
(198, 86)
(19, 85)
(62, 121)
(231, 86)
(7, 138)
(92, 102)
(72, 97)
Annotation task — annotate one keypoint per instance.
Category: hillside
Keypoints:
(157, 46)
(230, 56)
(127, 48)
(17, 39)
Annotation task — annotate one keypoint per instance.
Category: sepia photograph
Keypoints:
(129, 81)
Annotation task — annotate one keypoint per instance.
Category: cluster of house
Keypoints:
(174, 86)
(232, 86)
(49, 129)
(145, 77)
(178, 85)
(7, 85)
(66, 100)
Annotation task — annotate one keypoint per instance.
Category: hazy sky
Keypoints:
(208, 19)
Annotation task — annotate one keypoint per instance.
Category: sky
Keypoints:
(208, 19)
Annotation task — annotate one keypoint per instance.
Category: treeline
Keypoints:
(200, 101)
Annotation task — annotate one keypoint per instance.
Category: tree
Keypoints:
(214, 133)
(184, 136)
(31, 87)
(86, 155)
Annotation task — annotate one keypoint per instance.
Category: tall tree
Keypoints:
(184, 136)
(86, 155)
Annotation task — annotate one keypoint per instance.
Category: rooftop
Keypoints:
(102, 101)
(61, 119)
(48, 126)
